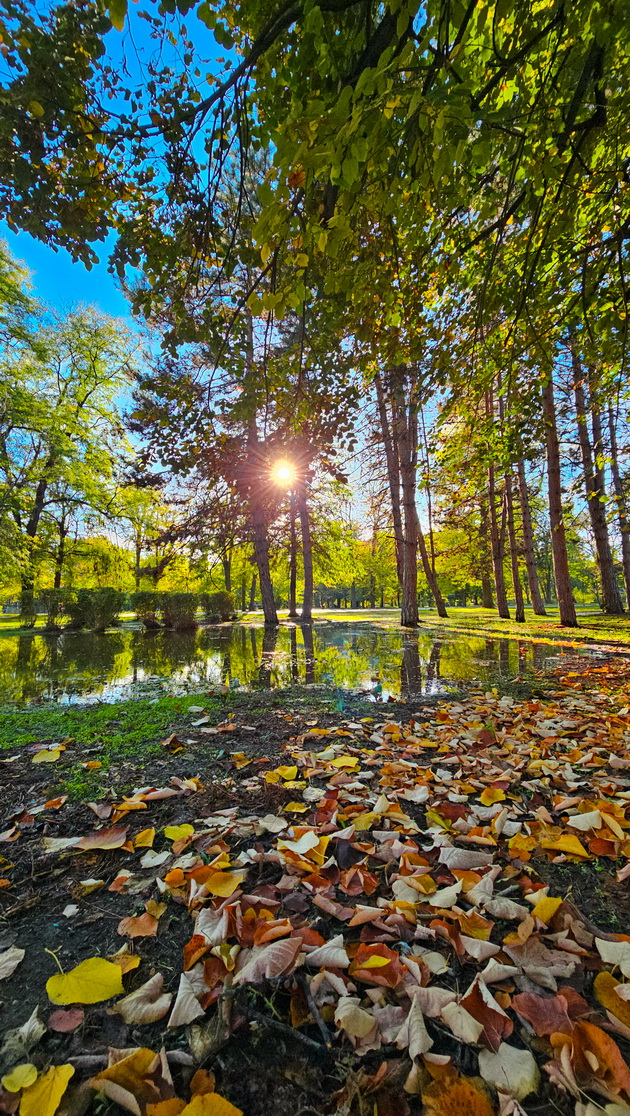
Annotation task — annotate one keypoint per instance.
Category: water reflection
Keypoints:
(80, 666)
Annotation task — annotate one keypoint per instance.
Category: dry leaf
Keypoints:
(44, 1096)
(9, 961)
(510, 1070)
(90, 982)
(147, 1004)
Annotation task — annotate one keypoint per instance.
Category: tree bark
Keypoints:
(497, 535)
(307, 551)
(393, 474)
(60, 556)
(611, 598)
(227, 573)
(620, 500)
(407, 466)
(519, 607)
(564, 592)
(487, 599)
(292, 558)
(243, 592)
(528, 543)
(252, 593)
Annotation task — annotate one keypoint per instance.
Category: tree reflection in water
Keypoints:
(129, 661)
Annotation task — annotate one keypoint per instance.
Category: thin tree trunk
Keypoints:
(620, 499)
(136, 569)
(252, 593)
(243, 592)
(564, 592)
(497, 536)
(292, 558)
(487, 599)
(429, 572)
(611, 598)
(227, 573)
(528, 543)
(393, 475)
(60, 556)
(406, 455)
(496, 544)
(307, 551)
(519, 607)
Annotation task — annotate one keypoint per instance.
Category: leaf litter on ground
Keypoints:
(400, 923)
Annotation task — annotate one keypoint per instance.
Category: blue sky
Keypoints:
(61, 282)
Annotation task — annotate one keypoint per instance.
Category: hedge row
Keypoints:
(98, 609)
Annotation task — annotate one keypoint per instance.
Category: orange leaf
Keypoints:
(144, 926)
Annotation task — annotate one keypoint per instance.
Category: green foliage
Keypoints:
(146, 603)
(179, 610)
(218, 606)
(96, 609)
(56, 602)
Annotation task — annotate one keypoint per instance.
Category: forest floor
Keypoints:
(319, 906)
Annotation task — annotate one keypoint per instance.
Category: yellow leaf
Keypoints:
(287, 772)
(566, 844)
(90, 982)
(375, 962)
(126, 961)
(345, 761)
(176, 832)
(296, 808)
(210, 1104)
(224, 883)
(546, 908)
(364, 821)
(47, 755)
(606, 986)
(44, 1096)
(20, 1078)
(490, 795)
(144, 839)
(171, 1107)
(272, 777)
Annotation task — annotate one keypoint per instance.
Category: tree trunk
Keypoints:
(407, 468)
(528, 543)
(393, 475)
(136, 569)
(497, 546)
(484, 546)
(497, 535)
(227, 573)
(564, 592)
(292, 558)
(252, 594)
(519, 607)
(611, 598)
(620, 499)
(243, 592)
(429, 571)
(307, 551)
(60, 556)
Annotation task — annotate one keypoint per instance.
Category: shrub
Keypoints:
(28, 609)
(96, 608)
(218, 606)
(179, 610)
(146, 604)
(56, 602)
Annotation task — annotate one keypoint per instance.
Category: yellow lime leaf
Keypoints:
(176, 832)
(44, 1096)
(224, 883)
(345, 761)
(490, 795)
(144, 839)
(210, 1104)
(375, 962)
(364, 821)
(566, 844)
(35, 108)
(47, 755)
(296, 808)
(272, 777)
(546, 908)
(90, 982)
(287, 772)
(20, 1078)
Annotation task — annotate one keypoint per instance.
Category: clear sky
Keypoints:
(60, 282)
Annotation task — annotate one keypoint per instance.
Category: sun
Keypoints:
(283, 472)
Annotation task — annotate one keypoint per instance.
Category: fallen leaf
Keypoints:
(20, 1077)
(44, 1096)
(65, 1021)
(210, 1104)
(510, 1070)
(9, 961)
(90, 982)
(141, 926)
(147, 1004)
(111, 838)
(186, 1006)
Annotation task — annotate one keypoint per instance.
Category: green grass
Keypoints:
(129, 732)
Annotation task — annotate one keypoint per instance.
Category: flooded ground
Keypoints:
(83, 667)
